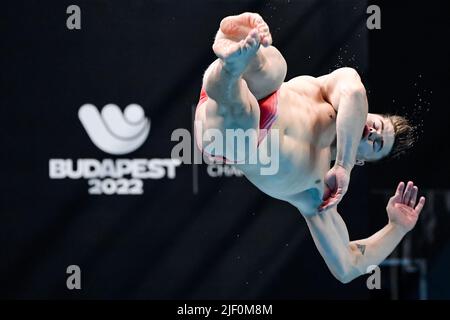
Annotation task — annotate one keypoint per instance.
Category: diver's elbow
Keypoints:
(347, 273)
(345, 278)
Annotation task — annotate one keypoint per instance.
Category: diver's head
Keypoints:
(384, 136)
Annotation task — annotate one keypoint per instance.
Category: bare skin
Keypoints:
(319, 120)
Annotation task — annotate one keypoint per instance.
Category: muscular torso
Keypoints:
(307, 128)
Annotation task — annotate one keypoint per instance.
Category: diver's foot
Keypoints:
(238, 27)
(236, 56)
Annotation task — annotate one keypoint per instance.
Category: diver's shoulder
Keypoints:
(304, 78)
(304, 85)
(307, 201)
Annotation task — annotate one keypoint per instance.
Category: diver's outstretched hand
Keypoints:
(402, 209)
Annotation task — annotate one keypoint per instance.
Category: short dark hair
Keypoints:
(405, 135)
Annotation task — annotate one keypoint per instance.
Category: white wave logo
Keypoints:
(115, 132)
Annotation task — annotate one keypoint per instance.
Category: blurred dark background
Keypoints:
(197, 236)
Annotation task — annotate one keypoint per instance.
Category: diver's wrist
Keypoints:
(348, 165)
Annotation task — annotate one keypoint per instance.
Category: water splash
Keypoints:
(347, 58)
(421, 106)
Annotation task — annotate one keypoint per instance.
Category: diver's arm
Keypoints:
(345, 92)
(349, 259)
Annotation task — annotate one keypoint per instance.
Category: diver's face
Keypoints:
(377, 138)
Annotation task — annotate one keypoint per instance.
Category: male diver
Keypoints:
(319, 120)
